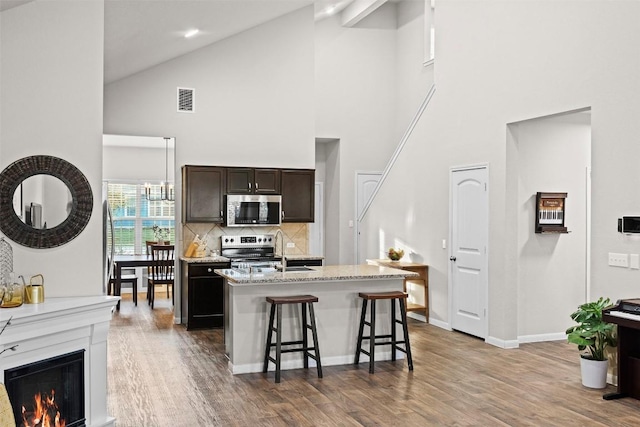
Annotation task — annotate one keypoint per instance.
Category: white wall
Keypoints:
(137, 159)
(497, 63)
(553, 155)
(253, 99)
(51, 83)
(356, 102)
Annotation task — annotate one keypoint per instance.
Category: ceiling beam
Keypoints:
(359, 10)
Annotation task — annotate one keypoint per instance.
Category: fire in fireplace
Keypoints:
(48, 393)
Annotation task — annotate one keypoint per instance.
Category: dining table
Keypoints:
(127, 261)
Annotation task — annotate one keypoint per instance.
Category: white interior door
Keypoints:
(469, 246)
(366, 183)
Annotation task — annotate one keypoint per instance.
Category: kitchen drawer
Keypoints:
(304, 262)
(205, 269)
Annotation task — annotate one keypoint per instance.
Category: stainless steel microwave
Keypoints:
(253, 210)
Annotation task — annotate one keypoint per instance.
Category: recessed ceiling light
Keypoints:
(191, 33)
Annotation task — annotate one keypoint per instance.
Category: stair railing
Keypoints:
(396, 153)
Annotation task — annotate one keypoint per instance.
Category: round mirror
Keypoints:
(44, 201)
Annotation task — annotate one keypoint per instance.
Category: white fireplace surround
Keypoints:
(60, 326)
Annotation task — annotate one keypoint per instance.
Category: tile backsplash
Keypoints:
(296, 233)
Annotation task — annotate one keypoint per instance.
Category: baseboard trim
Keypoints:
(439, 324)
(558, 336)
(298, 363)
(506, 344)
(417, 316)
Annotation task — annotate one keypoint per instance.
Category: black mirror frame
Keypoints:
(70, 228)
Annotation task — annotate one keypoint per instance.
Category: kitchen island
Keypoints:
(337, 312)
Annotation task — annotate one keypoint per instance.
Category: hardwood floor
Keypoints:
(161, 375)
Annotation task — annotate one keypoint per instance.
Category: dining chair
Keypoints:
(127, 275)
(162, 271)
(148, 244)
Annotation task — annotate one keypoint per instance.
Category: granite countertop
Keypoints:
(330, 273)
(204, 259)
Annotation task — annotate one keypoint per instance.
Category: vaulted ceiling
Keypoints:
(140, 34)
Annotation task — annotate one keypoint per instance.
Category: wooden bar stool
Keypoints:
(278, 302)
(372, 337)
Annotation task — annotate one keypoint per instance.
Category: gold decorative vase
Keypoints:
(34, 291)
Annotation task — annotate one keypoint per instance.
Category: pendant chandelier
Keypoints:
(166, 189)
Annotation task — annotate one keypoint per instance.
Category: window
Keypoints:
(429, 32)
(134, 218)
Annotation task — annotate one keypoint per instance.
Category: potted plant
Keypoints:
(593, 335)
(161, 234)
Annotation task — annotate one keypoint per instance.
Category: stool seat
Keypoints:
(388, 339)
(296, 299)
(382, 295)
(301, 345)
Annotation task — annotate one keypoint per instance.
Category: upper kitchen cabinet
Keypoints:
(298, 188)
(203, 189)
(253, 181)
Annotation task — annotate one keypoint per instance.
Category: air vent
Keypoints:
(185, 100)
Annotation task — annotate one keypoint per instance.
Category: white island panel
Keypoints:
(337, 313)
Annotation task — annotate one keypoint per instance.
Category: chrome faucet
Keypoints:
(275, 246)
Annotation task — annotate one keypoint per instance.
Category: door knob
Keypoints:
(452, 258)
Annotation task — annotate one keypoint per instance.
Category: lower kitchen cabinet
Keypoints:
(202, 295)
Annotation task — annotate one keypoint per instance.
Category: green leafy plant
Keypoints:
(592, 333)
(160, 233)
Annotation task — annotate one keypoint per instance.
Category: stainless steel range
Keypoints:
(253, 251)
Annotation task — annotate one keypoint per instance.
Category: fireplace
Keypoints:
(48, 393)
(61, 326)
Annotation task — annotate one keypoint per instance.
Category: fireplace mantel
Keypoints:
(59, 326)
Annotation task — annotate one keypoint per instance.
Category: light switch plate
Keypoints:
(634, 261)
(618, 260)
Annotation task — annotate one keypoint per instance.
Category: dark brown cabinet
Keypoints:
(203, 193)
(298, 188)
(204, 189)
(202, 295)
(315, 262)
(253, 181)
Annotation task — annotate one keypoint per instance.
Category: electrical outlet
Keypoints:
(618, 260)
(634, 261)
(291, 245)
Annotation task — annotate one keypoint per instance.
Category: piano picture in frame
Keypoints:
(626, 315)
(550, 212)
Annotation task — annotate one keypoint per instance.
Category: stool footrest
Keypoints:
(294, 350)
(273, 344)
